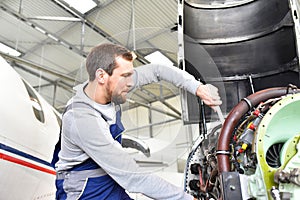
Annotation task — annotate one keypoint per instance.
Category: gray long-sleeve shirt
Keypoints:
(85, 134)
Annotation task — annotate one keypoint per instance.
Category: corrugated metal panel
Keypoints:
(42, 8)
(31, 9)
(90, 37)
(18, 34)
(36, 8)
(114, 18)
(155, 13)
(55, 57)
(167, 42)
(149, 18)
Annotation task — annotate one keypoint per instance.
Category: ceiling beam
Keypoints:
(154, 108)
(47, 40)
(38, 67)
(42, 30)
(147, 92)
(63, 85)
(91, 25)
(55, 18)
(152, 124)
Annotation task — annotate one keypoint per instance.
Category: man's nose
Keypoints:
(129, 81)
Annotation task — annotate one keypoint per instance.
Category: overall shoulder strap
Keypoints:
(58, 144)
(81, 104)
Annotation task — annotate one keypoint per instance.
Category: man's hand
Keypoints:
(209, 95)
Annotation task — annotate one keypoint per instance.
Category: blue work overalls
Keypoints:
(88, 177)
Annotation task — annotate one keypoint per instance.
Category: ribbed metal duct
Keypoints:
(252, 44)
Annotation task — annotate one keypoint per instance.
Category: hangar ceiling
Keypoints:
(54, 39)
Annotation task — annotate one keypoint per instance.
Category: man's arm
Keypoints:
(91, 133)
(150, 73)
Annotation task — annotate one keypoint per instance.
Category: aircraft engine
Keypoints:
(254, 154)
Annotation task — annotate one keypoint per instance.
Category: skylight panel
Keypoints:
(81, 5)
(158, 58)
(8, 50)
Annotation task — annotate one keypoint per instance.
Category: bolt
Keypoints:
(232, 187)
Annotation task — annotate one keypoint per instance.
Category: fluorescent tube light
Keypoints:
(8, 50)
(158, 58)
(81, 5)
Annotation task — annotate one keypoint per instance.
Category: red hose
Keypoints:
(233, 118)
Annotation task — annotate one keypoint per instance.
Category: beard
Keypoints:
(118, 99)
(118, 95)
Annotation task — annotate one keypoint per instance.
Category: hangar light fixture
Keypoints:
(8, 50)
(158, 58)
(81, 5)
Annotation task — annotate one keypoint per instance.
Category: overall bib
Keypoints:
(87, 180)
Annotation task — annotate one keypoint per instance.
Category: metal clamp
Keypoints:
(248, 102)
(223, 152)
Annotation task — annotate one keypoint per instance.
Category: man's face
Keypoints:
(120, 81)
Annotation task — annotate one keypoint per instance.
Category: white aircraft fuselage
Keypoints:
(29, 130)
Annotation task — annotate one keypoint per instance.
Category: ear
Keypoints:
(100, 75)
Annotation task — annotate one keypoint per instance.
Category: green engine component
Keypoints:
(277, 148)
(291, 174)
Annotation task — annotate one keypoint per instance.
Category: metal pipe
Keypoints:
(145, 91)
(54, 18)
(233, 118)
(153, 124)
(150, 121)
(153, 108)
(38, 67)
(82, 36)
(133, 24)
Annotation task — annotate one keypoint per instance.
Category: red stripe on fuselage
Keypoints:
(26, 164)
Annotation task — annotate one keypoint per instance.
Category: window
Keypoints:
(81, 5)
(8, 50)
(36, 105)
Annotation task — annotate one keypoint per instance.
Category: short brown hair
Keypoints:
(103, 56)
